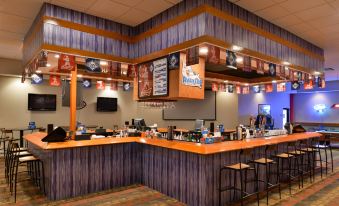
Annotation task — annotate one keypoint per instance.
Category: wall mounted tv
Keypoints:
(107, 104)
(41, 102)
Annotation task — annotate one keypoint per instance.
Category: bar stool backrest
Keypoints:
(245, 155)
(7, 132)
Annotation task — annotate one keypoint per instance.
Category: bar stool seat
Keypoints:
(23, 153)
(239, 166)
(298, 152)
(27, 159)
(284, 155)
(263, 161)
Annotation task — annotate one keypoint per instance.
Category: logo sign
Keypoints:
(37, 78)
(213, 55)
(256, 89)
(230, 88)
(93, 65)
(126, 86)
(272, 69)
(192, 56)
(173, 60)
(231, 60)
(215, 87)
(308, 85)
(238, 89)
(100, 85)
(261, 67)
(114, 86)
(246, 90)
(87, 83)
(269, 88)
(281, 87)
(66, 62)
(222, 87)
(190, 78)
(295, 85)
(54, 80)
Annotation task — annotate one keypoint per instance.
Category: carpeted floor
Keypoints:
(324, 192)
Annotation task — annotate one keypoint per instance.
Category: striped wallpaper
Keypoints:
(204, 24)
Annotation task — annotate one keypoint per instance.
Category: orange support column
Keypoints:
(73, 101)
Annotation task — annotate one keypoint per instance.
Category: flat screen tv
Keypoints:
(42, 102)
(107, 104)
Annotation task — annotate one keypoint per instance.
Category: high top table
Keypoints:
(186, 171)
(21, 130)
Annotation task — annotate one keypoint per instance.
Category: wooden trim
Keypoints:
(326, 124)
(88, 29)
(73, 102)
(212, 77)
(85, 53)
(194, 12)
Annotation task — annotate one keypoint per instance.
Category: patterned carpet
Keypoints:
(324, 192)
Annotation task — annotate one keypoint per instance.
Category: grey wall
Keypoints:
(248, 105)
(14, 113)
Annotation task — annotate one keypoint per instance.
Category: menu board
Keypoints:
(153, 79)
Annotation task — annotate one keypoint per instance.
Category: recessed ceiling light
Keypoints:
(79, 75)
(51, 22)
(38, 71)
(236, 48)
(57, 56)
(246, 84)
(239, 59)
(109, 78)
(103, 63)
(203, 50)
(226, 81)
(286, 63)
(48, 65)
(274, 81)
(316, 73)
(124, 73)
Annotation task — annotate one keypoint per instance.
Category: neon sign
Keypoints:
(319, 108)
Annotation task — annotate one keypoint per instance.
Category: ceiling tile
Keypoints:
(174, 1)
(107, 9)
(315, 13)
(299, 5)
(299, 28)
(255, 5)
(287, 21)
(153, 7)
(10, 35)
(130, 3)
(78, 5)
(273, 12)
(13, 23)
(27, 8)
(325, 21)
(10, 48)
(134, 17)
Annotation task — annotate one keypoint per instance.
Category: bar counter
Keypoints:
(188, 172)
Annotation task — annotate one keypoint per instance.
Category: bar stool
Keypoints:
(241, 168)
(6, 136)
(18, 160)
(305, 146)
(12, 151)
(281, 159)
(267, 162)
(324, 144)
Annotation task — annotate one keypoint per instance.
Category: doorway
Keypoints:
(286, 116)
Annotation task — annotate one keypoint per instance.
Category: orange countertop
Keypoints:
(35, 138)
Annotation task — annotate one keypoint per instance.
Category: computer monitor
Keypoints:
(139, 123)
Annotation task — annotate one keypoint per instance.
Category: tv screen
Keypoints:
(42, 102)
(106, 104)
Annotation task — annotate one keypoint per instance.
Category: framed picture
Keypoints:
(264, 109)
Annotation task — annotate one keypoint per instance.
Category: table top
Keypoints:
(23, 129)
(205, 149)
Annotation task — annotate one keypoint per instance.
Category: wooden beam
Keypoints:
(73, 102)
